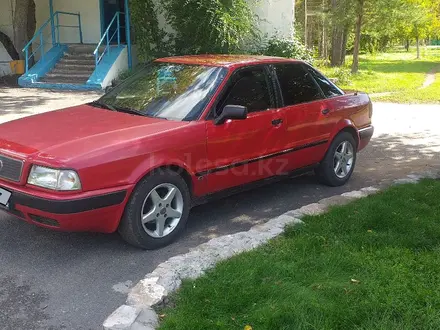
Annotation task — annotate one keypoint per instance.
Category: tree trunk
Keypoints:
(21, 25)
(31, 20)
(31, 27)
(336, 58)
(337, 37)
(407, 44)
(357, 40)
(344, 45)
(418, 47)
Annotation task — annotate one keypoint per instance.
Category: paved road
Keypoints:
(52, 280)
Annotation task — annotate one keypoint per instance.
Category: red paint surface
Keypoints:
(113, 151)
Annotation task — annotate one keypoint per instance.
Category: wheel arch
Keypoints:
(348, 126)
(177, 168)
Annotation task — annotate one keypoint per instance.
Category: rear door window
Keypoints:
(297, 84)
(327, 87)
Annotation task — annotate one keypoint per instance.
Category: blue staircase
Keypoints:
(70, 66)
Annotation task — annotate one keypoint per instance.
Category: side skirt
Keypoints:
(249, 186)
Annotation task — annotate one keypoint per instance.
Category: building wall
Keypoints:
(276, 17)
(90, 20)
(7, 28)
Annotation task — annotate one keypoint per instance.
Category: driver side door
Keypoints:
(242, 151)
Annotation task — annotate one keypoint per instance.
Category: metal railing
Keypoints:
(108, 39)
(55, 31)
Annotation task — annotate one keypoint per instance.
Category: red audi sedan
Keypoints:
(179, 131)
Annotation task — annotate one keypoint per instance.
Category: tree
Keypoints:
(342, 15)
(24, 24)
(357, 39)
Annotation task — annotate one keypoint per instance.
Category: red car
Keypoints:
(177, 132)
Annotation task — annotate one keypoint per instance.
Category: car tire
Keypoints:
(329, 172)
(137, 226)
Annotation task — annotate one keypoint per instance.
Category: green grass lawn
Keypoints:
(397, 71)
(374, 264)
(430, 94)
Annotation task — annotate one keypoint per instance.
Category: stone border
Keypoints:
(138, 312)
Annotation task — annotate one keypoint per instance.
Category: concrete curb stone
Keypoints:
(138, 312)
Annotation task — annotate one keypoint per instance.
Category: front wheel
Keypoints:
(157, 211)
(339, 161)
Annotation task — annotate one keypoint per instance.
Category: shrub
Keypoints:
(210, 26)
(149, 37)
(287, 47)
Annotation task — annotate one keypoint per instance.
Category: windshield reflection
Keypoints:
(167, 90)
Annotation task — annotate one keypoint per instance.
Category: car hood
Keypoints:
(58, 136)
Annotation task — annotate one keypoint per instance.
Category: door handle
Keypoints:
(325, 111)
(277, 122)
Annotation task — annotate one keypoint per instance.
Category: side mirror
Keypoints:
(237, 112)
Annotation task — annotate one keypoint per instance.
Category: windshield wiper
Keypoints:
(102, 105)
(129, 110)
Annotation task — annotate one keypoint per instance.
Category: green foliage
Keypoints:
(210, 26)
(343, 75)
(149, 37)
(290, 48)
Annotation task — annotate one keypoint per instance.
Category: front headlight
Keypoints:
(54, 179)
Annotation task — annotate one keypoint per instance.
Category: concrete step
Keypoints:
(67, 72)
(80, 56)
(82, 75)
(77, 61)
(64, 80)
(84, 48)
(72, 67)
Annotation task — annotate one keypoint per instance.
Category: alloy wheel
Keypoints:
(343, 159)
(162, 210)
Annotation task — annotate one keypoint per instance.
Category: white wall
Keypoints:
(119, 66)
(90, 20)
(276, 17)
(7, 28)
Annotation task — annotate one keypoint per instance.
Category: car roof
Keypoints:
(225, 60)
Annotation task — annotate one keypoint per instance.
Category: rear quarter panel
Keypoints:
(350, 110)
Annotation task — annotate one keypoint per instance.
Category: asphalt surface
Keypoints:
(51, 280)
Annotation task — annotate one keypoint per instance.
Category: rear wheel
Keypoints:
(157, 211)
(339, 161)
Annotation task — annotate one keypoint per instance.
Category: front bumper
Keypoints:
(98, 211)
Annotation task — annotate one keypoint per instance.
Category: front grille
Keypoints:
(10, 168)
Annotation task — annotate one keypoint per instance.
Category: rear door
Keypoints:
(242, 151)
(305, 110)
(334, 111)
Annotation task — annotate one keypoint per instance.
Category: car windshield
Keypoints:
(166, 90)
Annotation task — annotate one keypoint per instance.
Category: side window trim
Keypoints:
(279, 88)
(305, 69)
(276, 87)
(310, 69)
(222, 94)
